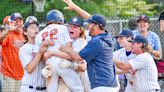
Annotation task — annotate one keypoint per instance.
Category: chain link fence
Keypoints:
(115, 26)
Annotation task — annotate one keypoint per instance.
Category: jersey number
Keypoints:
(51, 34)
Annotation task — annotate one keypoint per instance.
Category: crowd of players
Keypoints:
(64, 58)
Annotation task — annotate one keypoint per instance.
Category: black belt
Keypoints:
(157, 90)
(37, 88)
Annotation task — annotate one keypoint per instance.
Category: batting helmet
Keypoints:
(55, 16)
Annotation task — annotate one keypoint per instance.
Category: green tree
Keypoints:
(128, 8)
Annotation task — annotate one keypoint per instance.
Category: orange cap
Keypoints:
(6, 20)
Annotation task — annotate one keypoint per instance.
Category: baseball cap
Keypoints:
(161, 17)
(125, 33)
(30, 20)
(140, 39)
(6, 20)
(76, 21)
(55, 16)
(97, 19)
(15, 16)
(143, 17)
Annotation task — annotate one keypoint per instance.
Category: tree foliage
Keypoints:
(109, 8)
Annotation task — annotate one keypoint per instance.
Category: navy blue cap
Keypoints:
(125, 33)
(140, 39)
(15, 16)
(97, 19)
(55, 16)
(161, 17)
(30, 20)
(76, 21)
(143, 17)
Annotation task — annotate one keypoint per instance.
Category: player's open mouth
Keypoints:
(36, 33)
(71, 32)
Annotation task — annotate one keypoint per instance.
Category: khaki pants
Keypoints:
(10, 85)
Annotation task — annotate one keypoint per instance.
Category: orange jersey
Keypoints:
(11, 65)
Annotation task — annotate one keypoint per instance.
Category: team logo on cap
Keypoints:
(17, 14)
(74, 20)
(143, 16)
(30, 21)
(91, 17)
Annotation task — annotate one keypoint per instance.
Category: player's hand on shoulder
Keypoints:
(71, 5)
(69, 44)
(66, 48)
(47, 55)
(47, 42)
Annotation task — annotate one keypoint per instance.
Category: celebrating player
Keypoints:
(32, 80)
(146, 76)
(57, 32)
(98, 52)
(77, 34)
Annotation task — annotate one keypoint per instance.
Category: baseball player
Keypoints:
(77, 34)
(98, 52)
(60, 36)
(124, 54)
(146, 76)
(32, 80)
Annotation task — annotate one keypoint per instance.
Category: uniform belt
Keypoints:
(157, 90)
(37, 88)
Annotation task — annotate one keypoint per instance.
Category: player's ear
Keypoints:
(97, 26)
(141, 45)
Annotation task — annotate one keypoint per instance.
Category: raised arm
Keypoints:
(35, 61)
(76, 8)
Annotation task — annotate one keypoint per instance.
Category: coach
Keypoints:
(98, 54)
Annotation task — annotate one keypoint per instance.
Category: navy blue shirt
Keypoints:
(98, 54)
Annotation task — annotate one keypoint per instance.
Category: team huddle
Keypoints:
(60, 59)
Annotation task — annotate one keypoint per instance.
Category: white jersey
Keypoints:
(146, 76)
(58, 33)
(121, 55)
(77, 46)
(60, 36)
(88, 37)
(35, 78)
